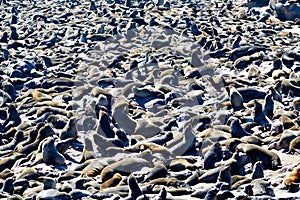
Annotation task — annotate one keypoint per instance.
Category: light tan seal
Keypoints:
(269, 159)
(112, 182)
(294, 145)
(121, 116)
(125, 167)
(293, 178)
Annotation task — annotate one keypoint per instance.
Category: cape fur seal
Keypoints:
(269, 159)
(50, 154)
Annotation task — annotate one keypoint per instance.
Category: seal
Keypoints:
(20, 186)
(269, 159)
(68, 176)
(213, 155)
(93, 167)
(103, 125)
(70, 130)
(88, 150)
(104, 143)
(43, 132)
(121, 116)
(8, 161)
(250, 93)
(268, 106)
(180, 145)
(258, 171)
(259, 116)
(13, 119)
(63, 145)
(193, 179)
(287, 85)
(8, 186)
(124, 167)
(28, 173)
(181, 164)
(211, 194)
(293, 178)
(294, 145)
(134, 189)
(225, 176)
(112, 182)
(146, 128)
(285, 139)
(288, 123)
(160, 139)
(261, 187)
(158, 171)
(18, 137)
(6, 173)
(211, 176)
(50, 154)
(237, 130)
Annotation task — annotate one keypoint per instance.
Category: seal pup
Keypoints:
(93, 6)
(162, 195)
(236, 42)
(261, 187)
(50, 154)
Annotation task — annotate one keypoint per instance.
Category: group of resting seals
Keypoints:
(149, 100)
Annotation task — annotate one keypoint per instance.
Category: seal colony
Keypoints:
(149, 100)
